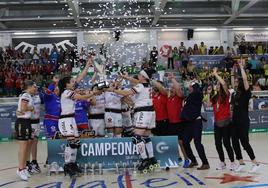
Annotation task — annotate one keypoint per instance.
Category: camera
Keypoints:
(102, 85)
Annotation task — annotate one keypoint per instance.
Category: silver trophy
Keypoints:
(135, 167)
(117, 168)
(100, 169)
(101, 70)
(85, 168)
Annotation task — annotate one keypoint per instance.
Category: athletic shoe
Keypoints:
(29, 169)
(186, 163)
(254, 168)
(26, 172)
(240, 168)
(22, 175)
(221, 166)
(204, 167)
(233, 166)
(35, 167)
(192, 165)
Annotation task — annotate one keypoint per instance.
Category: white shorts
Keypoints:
(98, 125)
(35, 130)
(113, 120)
(126, 120)
(68, 127)
(144, 120)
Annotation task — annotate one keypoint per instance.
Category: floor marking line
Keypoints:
(8, 183)
(72, 183)
(252, 186)
(195, 178)
(128, 181)
(120, 181)
(185, 180)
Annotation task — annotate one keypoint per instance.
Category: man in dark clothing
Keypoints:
(191, 113)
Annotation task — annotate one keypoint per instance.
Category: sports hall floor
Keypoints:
(174, 178)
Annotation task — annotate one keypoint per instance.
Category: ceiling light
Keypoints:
(60, 32)
(243, 29)
(134, 30)
(98, 31)
(24, 33)
(206, 29)
(172, 29)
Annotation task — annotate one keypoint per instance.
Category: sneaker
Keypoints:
(233, 166)
(35, 167)
(192, 165)
(22, 175)
(186, 163)
(240, 167)
(29, 169)
(221, 166)
(254, 168)
(26, 172)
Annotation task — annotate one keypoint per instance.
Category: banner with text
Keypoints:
(109, 151)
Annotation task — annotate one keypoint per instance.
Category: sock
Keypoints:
(142, 150)
(28, 163)
(70, 154)
(150, 150)
(117, 136)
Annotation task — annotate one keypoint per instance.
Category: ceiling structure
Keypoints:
(97, 14)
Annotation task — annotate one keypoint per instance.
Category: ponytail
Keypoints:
(62, 84)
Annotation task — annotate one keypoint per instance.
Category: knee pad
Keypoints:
(74, 144)
(146, 139)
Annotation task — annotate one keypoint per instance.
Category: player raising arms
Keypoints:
(67, 124)
(144, 116)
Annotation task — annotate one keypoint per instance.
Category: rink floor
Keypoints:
(178, 177)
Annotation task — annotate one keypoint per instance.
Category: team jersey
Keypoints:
(52, 106)
(37, 106)
(112, 100)
(143, 95)
(160, 107)
(25, 97)
(100, 105)
(67, 102)
(81, 108)
(174, 107)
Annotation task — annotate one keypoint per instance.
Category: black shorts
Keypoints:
(175, 129)
(23, 129)
(160, 128)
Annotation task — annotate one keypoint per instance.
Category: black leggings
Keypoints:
(193, 130)
(223, 134)
(240, 130)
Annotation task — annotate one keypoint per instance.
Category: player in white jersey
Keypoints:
(67, 124)
(23, 126)
(33, 166)
(144, 116)
(96, 113)
(113, 111)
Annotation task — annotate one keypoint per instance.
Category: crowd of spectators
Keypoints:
(40, 65)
